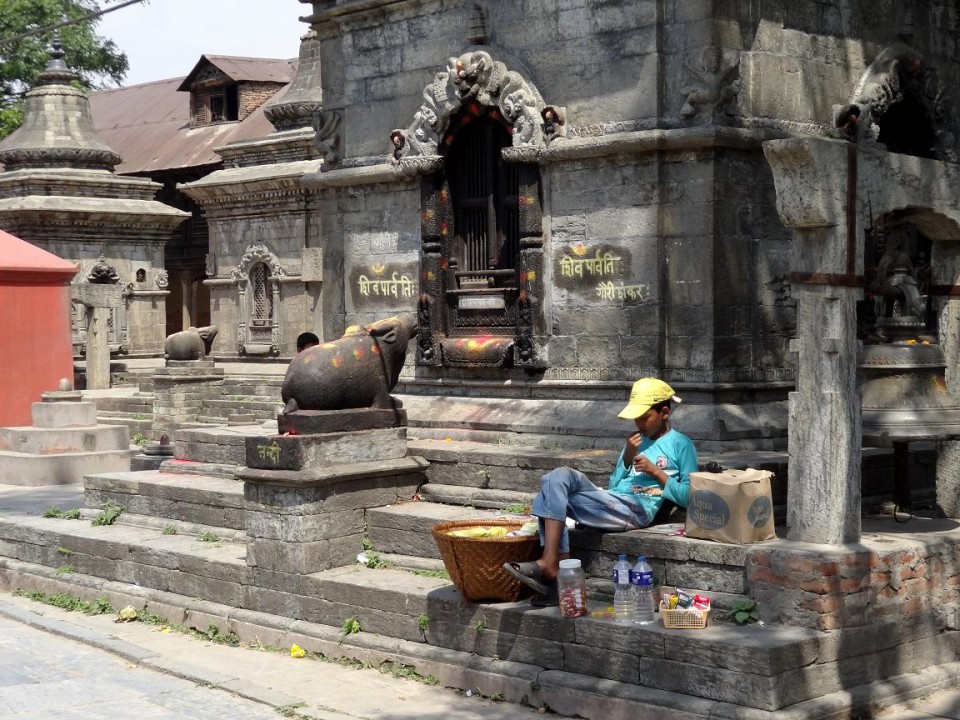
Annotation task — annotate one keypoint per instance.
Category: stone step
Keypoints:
(201, 499)
(589, 667)
(138, 403)
(245, 404)
(169, 526)
(189, 467)
(486, 472)
(474, 497)
(405, 529)
(702, 565)
(28, 470)
(36, 441)
(220, 444)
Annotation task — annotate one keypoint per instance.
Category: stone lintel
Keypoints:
(309, 422)
(333, 474)
(299, 452)
(97, 295)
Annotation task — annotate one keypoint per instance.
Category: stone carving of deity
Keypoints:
(713, 85)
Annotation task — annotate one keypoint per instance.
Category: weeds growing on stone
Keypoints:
(350, 626)
(518, 508)
(440, 574)
(169, 530)
(209, 537)
(108, 515)
(67, 602)
(55, 512)
(65, 569)
(64, 551)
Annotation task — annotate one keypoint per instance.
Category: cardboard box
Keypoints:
(733, 506)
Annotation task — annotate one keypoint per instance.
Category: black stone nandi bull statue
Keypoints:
(357, 370)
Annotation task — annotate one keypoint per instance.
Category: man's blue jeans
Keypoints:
(565, 492)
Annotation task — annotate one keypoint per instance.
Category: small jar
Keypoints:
(572, 589)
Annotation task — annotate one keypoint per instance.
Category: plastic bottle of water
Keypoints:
(623, 591)
(642, 592)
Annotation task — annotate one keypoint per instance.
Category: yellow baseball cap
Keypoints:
(646, 392)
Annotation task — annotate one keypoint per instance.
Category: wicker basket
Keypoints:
(686, 618)
(475, 564)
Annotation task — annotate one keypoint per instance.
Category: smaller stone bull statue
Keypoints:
(356, 371)
(191, 344)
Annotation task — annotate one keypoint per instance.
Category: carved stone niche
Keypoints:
(257, 278)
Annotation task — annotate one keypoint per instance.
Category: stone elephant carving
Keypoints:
(191, 344)
(357, 370)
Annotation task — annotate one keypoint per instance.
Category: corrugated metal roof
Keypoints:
(149, 126)
(244, 69)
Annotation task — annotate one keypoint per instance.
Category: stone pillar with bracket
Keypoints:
(816, 197)
(98, 299)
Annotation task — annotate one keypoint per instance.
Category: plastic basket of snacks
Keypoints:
(681, 610)
(474, 552)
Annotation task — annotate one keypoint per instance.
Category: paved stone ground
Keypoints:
(127, 670)
(945, 704)
(45, 676)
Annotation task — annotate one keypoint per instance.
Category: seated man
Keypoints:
(306, 340)
(655, 465)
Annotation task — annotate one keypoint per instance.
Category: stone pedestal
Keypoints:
(64, 444)
(179, 391)
(306, 497)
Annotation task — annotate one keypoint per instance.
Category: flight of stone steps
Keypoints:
(179, 548)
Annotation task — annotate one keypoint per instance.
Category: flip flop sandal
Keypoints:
(527, 573)
(549, 599)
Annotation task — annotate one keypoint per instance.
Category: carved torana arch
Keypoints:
(475, 77)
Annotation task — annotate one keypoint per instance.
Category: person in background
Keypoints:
(654, 466)
(306, 340)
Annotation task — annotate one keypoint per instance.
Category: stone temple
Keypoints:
(745, 199)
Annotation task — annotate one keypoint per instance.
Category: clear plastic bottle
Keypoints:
(642, 592)
(623, 603)
(572, 589)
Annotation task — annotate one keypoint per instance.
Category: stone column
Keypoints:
(816, 185)
(186, 319)
(823, 491)
(98, 299)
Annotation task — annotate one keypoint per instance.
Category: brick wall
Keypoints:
(827, 590)
(253, 95)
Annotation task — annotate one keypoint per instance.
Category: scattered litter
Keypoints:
(297, 652)
(363, 559)
(469, 693)
(127, 614)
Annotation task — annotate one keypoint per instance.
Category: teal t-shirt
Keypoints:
(674, 453)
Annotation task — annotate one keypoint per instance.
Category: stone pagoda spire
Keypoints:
(57, 130)
(304, 97)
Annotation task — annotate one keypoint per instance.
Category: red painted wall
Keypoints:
(35, 342)
(36, 350)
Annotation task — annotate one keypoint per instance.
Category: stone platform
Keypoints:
(64, 443)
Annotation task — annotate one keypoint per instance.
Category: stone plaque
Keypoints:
(481, 302)
(312, 265)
